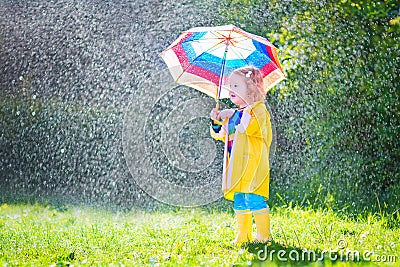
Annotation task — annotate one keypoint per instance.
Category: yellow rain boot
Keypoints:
(245, 226)
(262, 220)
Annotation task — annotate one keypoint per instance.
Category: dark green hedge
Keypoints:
(337, 114)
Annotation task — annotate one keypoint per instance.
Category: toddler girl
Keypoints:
(247, 134)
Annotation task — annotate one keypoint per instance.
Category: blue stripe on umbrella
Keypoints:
(260, 47)
(236, 63)
(258, 59)
(212, 63)
(190, 53)
(195, 36)
(188, 48)
(232, 63)
(210, 58)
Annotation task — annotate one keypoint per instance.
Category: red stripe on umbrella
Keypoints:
(203, 73)
(268, 68)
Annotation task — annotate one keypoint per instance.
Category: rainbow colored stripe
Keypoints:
(233, 121)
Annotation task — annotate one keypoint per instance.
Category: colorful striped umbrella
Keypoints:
(204, 57)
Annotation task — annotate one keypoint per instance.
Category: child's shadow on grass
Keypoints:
(283, 255)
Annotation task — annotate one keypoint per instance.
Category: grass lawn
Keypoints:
(40, 235)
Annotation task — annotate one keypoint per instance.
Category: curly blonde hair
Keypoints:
(254, 81)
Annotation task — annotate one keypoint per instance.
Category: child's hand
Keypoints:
(214, 114)
(226, 113)
(221, 115)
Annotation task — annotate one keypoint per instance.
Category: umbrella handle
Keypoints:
(217, 106)
(221, 76)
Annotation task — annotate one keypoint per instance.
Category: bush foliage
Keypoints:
(336, 114)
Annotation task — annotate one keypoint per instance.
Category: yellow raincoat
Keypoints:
(247, 169)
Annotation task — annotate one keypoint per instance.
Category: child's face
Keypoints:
(238, 90)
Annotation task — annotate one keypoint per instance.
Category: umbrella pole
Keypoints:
(221, 76)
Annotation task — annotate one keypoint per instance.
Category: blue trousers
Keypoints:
(248, 202)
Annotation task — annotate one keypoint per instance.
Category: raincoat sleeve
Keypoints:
(256, 123)
(218, 129)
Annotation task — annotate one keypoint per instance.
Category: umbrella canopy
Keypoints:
(204, 57)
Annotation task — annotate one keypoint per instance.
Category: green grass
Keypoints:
(43, 235)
